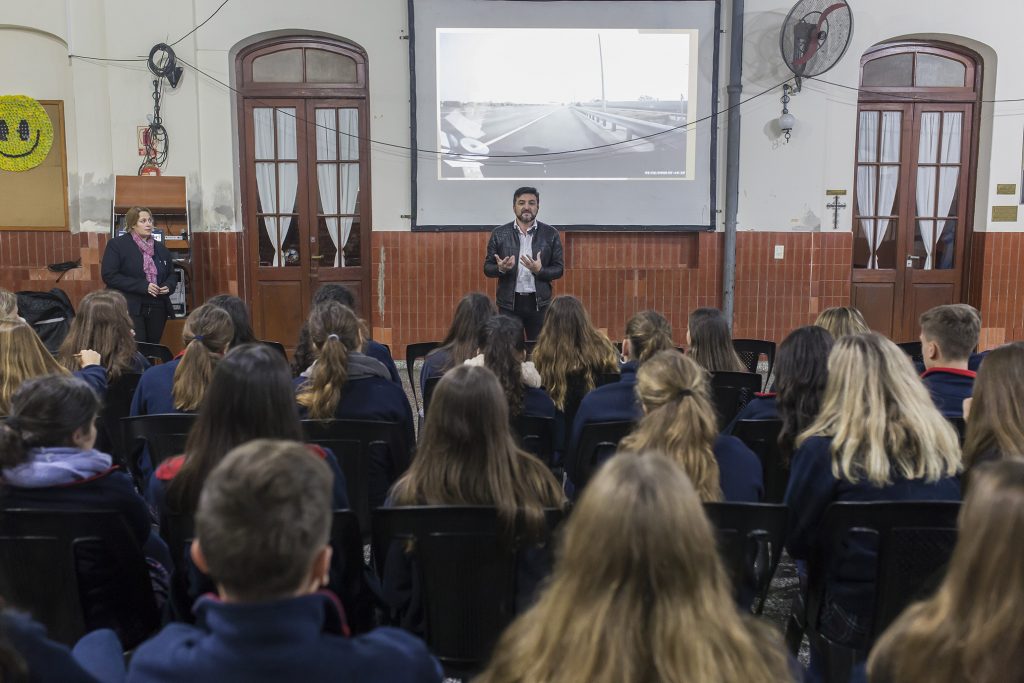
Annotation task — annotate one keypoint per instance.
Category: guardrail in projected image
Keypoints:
(633, 127)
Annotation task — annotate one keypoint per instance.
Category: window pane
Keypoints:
(329, 67)
(290, 245)
(286, 133)
(924, 241)
(945, 247)
(352, 257)
(934, 71)
(891, 122)
(278, 67)
(326, 135)
(952, 125)
(889, 71)
(867, 136)
(327, 229)
(263, 132)
(928, 146)
(926, 191)
(885, 256)
(348, 129)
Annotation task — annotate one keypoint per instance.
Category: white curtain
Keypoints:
(349, 126)
(327, 174)
(263, 128)
(867, 184)
(926, 176)
(287, 173)
(888, 176)
(949, 175)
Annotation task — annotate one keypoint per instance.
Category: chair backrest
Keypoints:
(414, 352)
(164, 434)
(731, 391)
(597, 443)
(156, 354)
(116, 405)
(428, 391)
(762, 437)
(354, 443)
(275, 345)
(913, 349)
(536, 435)
(38, 571)
(751, 350)
(530, 343)
(467, 570)
(750, 539)
(915, 540)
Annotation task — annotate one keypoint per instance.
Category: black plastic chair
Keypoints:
(751, 350)
(116, 405)
(156, 354)
(467, 572)
(362, 447)
(762, 437)
(913, 349)
(751, 537)
(530, 344)
(597, 443)
(414, 352)
(164, 434)
(915, 540)
(275, 345)
(428, 391)
(731, 391)
(38, 571)
(536, 435)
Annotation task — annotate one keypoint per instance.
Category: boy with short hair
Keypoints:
(949, 335)
(262, 530)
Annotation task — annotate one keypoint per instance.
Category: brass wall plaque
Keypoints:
(830, 193)
(1004, 214)
(1006, 188)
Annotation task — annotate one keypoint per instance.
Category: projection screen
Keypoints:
(606, 108)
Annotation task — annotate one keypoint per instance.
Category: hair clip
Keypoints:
(198, 337)
(684, 392)
(334, 337)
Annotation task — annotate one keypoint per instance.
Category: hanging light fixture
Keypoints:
(787, 121)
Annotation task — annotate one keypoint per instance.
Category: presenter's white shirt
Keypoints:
(525, 283)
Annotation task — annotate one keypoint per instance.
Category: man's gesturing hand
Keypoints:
(505, 264)
(532, 264)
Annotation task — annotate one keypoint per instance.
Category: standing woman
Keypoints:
(142, 269)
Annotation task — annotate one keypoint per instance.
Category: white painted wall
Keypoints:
(782, 187)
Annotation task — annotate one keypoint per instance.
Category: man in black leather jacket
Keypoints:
(525, 255)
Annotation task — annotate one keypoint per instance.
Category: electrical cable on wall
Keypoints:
(156, 141)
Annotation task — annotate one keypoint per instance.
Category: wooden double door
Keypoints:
(911, 230)
(306, 174)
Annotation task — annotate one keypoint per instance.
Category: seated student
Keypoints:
(178, 386)
(655, 564)
(571, 355)
(9, 305)
(709, 342)
(262, 529)
(343, 383)
(995, 414)
(841, 321)
(47, 461)
(971, 629)
(304, 355)
(23, 356)
(27, 654)
(463, 338)
(801, 370)
(503, 352)
(647, 333)
(239, 313)
(878, 437)
(468, 456)
(680, 422)
(103, 324)
(948, 337)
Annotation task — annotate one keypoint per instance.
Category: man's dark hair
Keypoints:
(264, 514)
(954, 327)
(526, 190)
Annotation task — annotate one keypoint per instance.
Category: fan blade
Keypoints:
(813, 49)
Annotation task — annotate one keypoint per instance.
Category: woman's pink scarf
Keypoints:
(148, 249)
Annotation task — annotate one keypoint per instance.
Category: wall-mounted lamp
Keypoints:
(787, 121)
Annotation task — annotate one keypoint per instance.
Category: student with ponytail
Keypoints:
(47, 461)
(463, 338)
(503, 352)
(709, 342)
(178, 386)
(680, 422)
(343, 383)
(647, 333)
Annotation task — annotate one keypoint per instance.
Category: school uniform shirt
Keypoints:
(154, 395)
(45, 659)
(740, 475)
(614, 402)
(812, 488)
(292, 639)
(949, 387)
(434, 365)
(975, 361)
(761, 407)
(369, 394)
(380, 353)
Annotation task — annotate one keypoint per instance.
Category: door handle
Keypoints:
(911, 259)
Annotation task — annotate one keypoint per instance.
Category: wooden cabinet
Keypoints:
(167, 198)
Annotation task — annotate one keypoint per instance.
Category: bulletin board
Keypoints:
(37, 199)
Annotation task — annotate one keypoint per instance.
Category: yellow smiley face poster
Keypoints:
(26, 133)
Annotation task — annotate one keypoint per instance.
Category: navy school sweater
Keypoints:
(614, 402)
(949, 387)
(762, 407)
(45, 659)
(96, 377)
(153, 395)
(292, 639)
(380, 352)
(812, 488)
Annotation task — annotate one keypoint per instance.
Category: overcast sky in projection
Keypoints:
(528, 65)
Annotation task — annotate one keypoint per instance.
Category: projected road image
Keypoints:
(507, 94)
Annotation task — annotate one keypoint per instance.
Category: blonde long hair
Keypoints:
(103, 325)
(207, 334)
(648, 332)
(880, 416)
(335, 332)
(841, 321)
(22, 356)
(468, 456)
(680, 419)
(649, 601)
(972, 629)
(8, 304)
(995, 427)
(570, 345)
